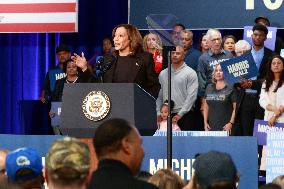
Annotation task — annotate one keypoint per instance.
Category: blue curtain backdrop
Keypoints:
(25, 58)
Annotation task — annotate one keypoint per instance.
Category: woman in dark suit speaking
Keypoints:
(130, 63)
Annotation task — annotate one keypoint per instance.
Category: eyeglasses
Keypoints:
(216, 39)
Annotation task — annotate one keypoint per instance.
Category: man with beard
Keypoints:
(63, 54)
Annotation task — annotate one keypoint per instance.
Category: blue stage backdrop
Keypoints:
(25, 58)
(208, 14)
(242, 149)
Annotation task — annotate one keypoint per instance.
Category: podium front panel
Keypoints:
(122, 97)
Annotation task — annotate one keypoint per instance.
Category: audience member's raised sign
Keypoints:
(269, 42)
(274, 155)
(261, 128)
(282, 53)
(240, 67)
(56, 109)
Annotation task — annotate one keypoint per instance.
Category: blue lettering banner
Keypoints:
(274, 155)
(242, 149)
(56, 109)
(203, 14)
(240, 67)
(261, 128)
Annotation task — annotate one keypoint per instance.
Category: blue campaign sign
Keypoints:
(274, 155)
(240, 67)
(56, 109)
(282, 53)
(204, 14)
(242, 149)
(269, 42)
(261, 128)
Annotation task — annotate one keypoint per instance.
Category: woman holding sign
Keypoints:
(220, 103)
(272, 92)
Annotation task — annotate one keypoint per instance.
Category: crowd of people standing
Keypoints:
(198, 84)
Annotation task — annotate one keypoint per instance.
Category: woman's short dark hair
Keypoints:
(65, 64)
(180, 25)
(227, 37)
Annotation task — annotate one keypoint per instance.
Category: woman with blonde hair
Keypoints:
(152, 43)
(167, 179)
(221, 97)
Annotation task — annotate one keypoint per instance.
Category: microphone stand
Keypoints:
(98, 70)
(101, 75)
(169, 120)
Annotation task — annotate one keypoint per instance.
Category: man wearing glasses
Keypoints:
(215, 55)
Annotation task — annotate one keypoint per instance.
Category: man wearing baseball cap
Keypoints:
(24, 168)
(214, 170)
(63, 53)
(67, 164)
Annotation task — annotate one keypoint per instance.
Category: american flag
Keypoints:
(38, 16)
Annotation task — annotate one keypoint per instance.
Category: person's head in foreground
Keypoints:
(117, 139)
(166, 179)
(6, 185)
(214, 170)
(270, 186)
(67, 164)
(279, 180)
(3, 154)
(24, 168)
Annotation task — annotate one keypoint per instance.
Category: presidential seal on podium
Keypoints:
(96, 105)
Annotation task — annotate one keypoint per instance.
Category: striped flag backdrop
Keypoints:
(38, 16)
